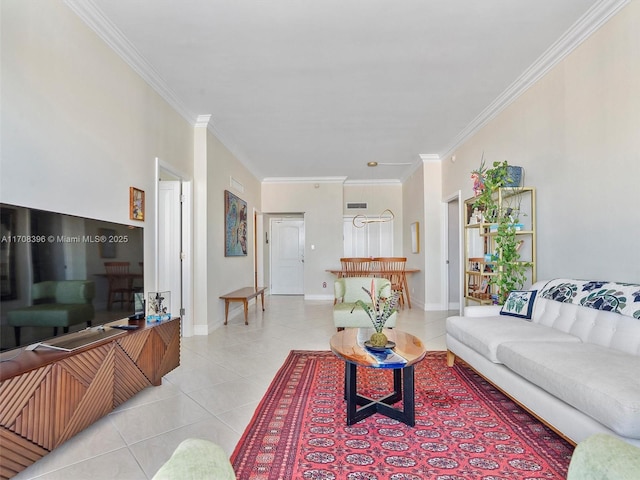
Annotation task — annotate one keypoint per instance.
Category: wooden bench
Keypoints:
(242, 295)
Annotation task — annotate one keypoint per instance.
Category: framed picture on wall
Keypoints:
(235, 225)
(136, 204)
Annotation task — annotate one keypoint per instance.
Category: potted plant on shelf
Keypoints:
(510, 273)
(489, 180)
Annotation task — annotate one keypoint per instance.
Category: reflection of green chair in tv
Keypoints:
(56, 304)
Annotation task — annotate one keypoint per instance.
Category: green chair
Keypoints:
(604, 457)
(346, 314)
(196, 459)
(55, 304)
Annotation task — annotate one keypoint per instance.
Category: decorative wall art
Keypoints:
(415, 237)
(136, 204)
(235, 225)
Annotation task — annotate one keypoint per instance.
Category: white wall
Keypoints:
(322, 208)
(379, 196)
(576, 133)
(79, 127)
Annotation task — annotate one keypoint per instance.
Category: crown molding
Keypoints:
(93, 17)
(588, 24)
(375, 182)
(304, 180)
(203, 121)
(430, 157)
(424, 158)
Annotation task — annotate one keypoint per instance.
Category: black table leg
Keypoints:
(403, 382)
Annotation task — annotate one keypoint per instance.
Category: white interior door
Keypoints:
(169, 242)
(287, 256)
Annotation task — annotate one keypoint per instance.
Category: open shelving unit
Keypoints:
(480, 246)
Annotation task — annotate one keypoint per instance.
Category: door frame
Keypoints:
(446, 287)
(186, 265)
(285, 217)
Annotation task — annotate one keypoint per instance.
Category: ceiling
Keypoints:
(316, 89)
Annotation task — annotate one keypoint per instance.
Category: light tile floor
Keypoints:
(212, 395)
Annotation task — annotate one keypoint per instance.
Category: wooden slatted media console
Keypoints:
(49, 395)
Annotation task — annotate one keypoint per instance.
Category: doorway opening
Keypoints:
(453, 291)
(173, 242)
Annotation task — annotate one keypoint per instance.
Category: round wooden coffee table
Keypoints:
(348, 345)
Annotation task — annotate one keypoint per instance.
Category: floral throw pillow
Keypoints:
(519, 304)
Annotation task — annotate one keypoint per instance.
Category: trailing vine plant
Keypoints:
(510, 271)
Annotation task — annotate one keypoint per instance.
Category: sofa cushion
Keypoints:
(484, 334)
(598, 381)
(600, 327)
(519, 304)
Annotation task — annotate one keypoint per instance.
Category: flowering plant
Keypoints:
(381, 308)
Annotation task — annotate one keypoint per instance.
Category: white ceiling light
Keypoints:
(398, 164)
(360, 221)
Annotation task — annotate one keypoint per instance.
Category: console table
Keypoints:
(47, 396)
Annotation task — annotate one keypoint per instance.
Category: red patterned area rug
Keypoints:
(465, 429)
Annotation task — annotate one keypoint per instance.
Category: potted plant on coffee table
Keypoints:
(379, 311)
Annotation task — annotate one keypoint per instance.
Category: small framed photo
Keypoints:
(415, 237)
(136, 204)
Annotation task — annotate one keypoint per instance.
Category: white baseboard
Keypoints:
(201, 329)
(318, 297)
(434, 307)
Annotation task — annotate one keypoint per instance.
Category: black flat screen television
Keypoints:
(41, 249)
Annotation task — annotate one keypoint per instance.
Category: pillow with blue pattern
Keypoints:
(519, 304)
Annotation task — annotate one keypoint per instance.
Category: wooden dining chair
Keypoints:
(120, 284)
(393, 269)
(355, 266)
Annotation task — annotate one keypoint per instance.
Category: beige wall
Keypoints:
(576, 133)
(413, 201)
(433, 236)
(79, 127)
(225, 274)
(322, 208)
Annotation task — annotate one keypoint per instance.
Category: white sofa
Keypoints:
(575, 364)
